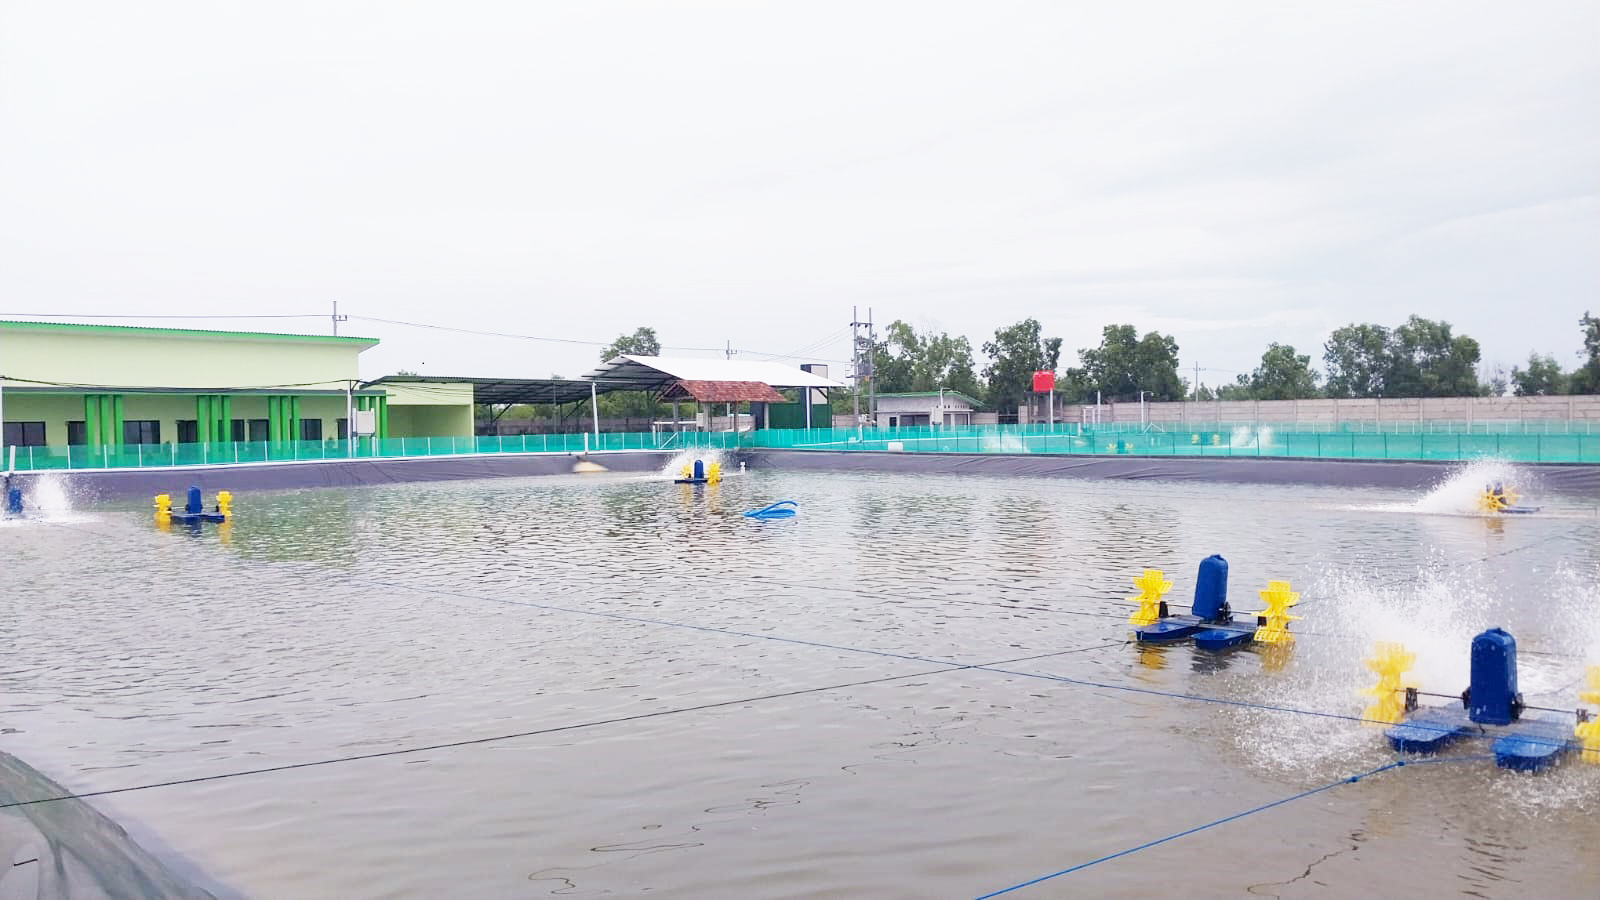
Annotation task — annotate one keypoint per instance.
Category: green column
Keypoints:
(294, 418)
(91, 420)
(203, 419)
(274, 418)
(115, 442)
(224, 429)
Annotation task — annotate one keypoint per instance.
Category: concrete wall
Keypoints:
(1328, 413)
(430, 410)
(430, 421)
(157, 357)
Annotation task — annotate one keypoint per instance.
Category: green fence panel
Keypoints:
(1437, 441)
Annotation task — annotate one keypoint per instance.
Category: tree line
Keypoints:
(1417, 358)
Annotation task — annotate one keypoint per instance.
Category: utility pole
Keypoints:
(1197, 382)
(872, 374)
(337, 318)
(861, 355)
(730, 351)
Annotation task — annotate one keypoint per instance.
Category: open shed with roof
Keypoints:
(703, 382)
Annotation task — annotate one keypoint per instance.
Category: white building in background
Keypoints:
(926, 408)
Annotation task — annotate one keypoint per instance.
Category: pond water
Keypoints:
(712, 706)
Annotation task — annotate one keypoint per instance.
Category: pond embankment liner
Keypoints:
(99, 484)
(1408, 475)
(103, 484)
(67, 848)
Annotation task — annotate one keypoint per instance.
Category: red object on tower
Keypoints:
(1044, 382)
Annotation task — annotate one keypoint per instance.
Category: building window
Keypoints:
(77, 436)
(344, 429)
(310, 429)
(250, 430)
(141, 431)
(24, 434)
(188, 431)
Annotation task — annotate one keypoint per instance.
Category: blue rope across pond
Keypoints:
(1351, 779)
(783, 509)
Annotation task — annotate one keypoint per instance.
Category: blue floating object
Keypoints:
(1223, 638)
(782, 509)
(1492, 708)
(1492, 694)
(1533, 745)
(1163, 631)
(1210, 616)
(13, 501)
(195, 503)
(1429, 731)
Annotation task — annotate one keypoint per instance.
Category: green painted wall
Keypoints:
(134, 357)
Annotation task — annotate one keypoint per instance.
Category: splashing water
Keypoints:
(1461, 493)
(1246, 438)
(711, 455)
(49, 498)
(50, 495)
(1005, 443)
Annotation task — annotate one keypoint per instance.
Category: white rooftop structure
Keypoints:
(656, 372)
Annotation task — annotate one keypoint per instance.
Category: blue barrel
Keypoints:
(1492, 697)
(1211, 587)
(699, 469)
(194, 505)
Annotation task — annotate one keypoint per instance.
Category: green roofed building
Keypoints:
(107, 388)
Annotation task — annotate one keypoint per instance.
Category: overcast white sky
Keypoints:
(1230, 173)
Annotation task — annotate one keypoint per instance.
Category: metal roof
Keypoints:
(511, 390)
(624, 373)
(948, 393)
(82, 328)
(654, 373)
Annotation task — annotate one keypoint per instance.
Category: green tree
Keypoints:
(1426, 360)
(946, 363)
(642, 342)
(1282, 375)
(1586, 380)
(1421, 358)
(1125, 364)
(895, 358)
(1239, 390)
(1357, 357)
(1014, 355)
(907, 361)
(1542, 378)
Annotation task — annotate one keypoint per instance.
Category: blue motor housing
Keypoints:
(1211, 588)
(1492, 697)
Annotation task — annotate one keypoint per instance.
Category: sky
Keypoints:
(747, 175)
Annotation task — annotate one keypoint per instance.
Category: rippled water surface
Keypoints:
(711, 706)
